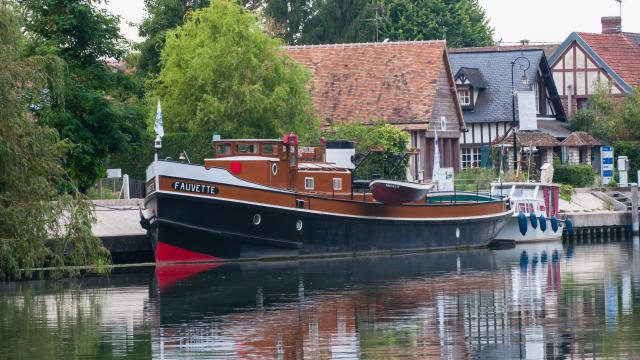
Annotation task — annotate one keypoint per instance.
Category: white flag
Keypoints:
(436, 157)
(158, 124)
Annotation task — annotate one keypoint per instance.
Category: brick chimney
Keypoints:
(611, 24)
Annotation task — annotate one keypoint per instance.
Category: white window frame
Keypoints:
(464, 94)
(536, 90)
(471, 157)
(337, 184)
(309, 183)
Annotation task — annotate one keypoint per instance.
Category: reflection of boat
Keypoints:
(535, 211)
(398, 192)
(272, 198)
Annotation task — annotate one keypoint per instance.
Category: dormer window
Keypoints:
(464, 96)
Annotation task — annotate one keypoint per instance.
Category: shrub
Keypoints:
(474, 178)
(566, 191)
(575, 175)
(630, 149)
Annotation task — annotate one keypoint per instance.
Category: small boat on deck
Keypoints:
(261, 198)
(398, 192)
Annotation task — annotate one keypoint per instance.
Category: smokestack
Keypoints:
(611, 24)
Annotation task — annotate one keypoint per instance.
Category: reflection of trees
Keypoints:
(70, 323)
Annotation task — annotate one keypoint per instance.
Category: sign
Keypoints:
(114, 173)
(443, 123)
(445, 179)
(527, 110)
(194, 188)
(606, 168)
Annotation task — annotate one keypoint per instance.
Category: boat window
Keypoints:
(223, 149)
(309, 183)
(521, 207)
(269, 149)
(523, 192)
(244, 148)
(337, 183)
(530, 208)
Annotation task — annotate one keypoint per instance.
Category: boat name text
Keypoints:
(194, 188)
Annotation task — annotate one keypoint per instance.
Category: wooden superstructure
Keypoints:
(283, 164)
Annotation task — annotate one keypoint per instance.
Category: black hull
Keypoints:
(190, 228)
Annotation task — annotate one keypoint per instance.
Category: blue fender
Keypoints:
(569, 225)
(543, 223)
(534, 220)
(554, 224)
(522, 223)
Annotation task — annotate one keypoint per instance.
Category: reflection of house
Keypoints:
(484, 84)
(578, 148)
(408, 84)
(585, 59)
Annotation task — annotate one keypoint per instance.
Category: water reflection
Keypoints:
(539, 301)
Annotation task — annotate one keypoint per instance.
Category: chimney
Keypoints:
(524, 42)
(611, 24)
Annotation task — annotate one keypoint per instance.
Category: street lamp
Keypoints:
(524, 66)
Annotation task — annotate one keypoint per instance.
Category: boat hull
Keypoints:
(189, 228)
(511, 232)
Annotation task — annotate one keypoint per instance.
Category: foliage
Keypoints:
(630, 149)
(91, 106)
(626, 123)
(196, 145)
(575, 175)
(566, 192)
(475, 179)
(391, 163)
(222, 73)
(462, 23)
(38, 225)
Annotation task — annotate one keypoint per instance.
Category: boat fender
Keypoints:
(534, 220)
(569, 225)
(554, 224)
(543, 223)
(522, 223)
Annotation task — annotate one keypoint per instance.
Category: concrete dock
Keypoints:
(119, 229)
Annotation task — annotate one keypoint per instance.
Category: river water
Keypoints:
(538, 301)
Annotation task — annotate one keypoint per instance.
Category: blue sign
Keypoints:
(607, 173)
(607, 161)
(606, 165)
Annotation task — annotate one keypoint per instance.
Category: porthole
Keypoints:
(274, 168)
(257, 219)
(299, 225)
(457, 233)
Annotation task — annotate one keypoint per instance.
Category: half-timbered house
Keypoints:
(583, 60)
(484, 86)
(408, 84)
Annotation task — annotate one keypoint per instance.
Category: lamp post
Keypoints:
(524, 69)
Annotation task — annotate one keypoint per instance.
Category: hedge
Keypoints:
(134, 159)
(575, 175)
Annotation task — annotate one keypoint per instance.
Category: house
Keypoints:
(408, 84)
(584, 60)
(484, 85)
(578, 148)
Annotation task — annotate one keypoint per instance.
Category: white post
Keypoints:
(155, 168)
(125, 186)
(634, 208)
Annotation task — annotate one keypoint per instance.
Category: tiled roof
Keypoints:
(621, 52)
(474, 76)
(580, 138)
(367, 82)
(494, 103)
(526, 138)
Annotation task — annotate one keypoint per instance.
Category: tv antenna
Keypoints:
(377, 18)
(620, 5)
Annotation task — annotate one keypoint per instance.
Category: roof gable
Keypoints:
(395, 81)
(473, 76)
(618, 54)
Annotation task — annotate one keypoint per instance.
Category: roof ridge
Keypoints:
(371, 44)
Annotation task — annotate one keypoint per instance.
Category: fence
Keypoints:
(117, 188)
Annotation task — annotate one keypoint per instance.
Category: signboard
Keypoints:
(527, 110)
(114, 173)
(445, 179)
(606, 170)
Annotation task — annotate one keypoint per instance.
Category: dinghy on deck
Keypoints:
(398, 192)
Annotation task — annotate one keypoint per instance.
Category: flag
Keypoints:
(158, 124)
(436, 157)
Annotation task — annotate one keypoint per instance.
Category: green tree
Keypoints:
(222, 73)
(461, 22)
(93, 108)
(32, 209)
(338, 21)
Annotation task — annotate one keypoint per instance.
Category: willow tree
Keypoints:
(221, 72)
(39, 223)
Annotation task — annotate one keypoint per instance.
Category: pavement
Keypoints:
(117, 218)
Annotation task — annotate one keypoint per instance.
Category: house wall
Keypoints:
(572, 155)
(576, 74)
